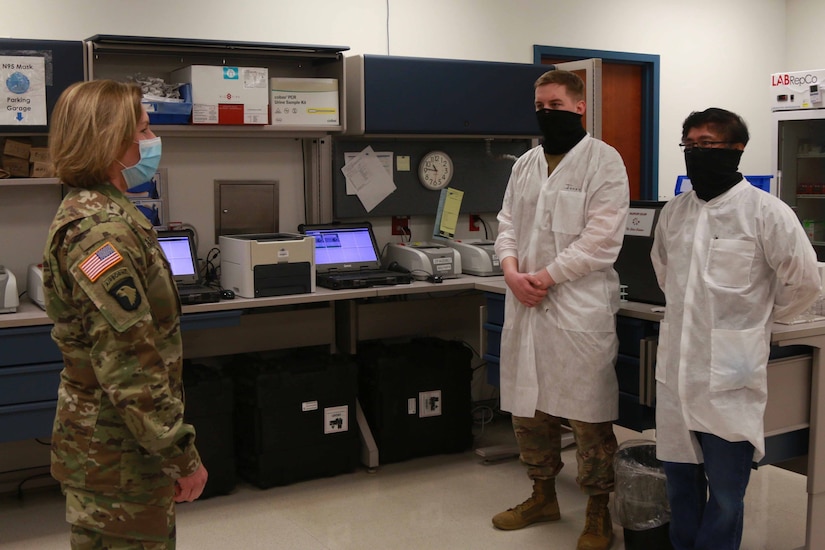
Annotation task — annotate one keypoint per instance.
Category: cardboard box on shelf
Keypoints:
(42, 170)
(16, 167)
(39, 154)
(227, 95)
(17, 148)
(304, 101)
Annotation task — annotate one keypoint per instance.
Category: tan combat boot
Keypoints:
(541, 506)
(598, 529)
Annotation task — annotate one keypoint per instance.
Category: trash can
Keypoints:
(640, 500)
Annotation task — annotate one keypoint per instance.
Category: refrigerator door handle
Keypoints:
(779, 183)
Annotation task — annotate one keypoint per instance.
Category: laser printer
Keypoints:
(267, 264)
(8, 291)
(424, 259)
(478, 257)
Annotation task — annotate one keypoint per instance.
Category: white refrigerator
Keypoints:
(798, 143)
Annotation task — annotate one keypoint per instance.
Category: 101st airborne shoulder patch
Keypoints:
(100, 261)
(120, 285)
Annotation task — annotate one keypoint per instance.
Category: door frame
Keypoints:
(649, 184)
(592, 91)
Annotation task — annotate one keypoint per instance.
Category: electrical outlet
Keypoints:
(475, 222)
(400, 225)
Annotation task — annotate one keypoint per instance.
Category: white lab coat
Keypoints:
(728, 268)
(559, 357)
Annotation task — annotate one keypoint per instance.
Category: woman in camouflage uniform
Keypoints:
(120, 448)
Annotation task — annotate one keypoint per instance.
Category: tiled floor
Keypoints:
(432, 503)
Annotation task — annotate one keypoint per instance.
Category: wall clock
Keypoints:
(435, 170)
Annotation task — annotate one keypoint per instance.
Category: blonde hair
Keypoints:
(92, 125)
(571, 82)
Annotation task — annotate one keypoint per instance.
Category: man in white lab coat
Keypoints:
(561, 226)
(730, 259)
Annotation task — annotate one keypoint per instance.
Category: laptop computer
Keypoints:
(179, 248)
(347, 256)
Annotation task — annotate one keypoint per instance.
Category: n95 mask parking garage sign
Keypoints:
(23, 85)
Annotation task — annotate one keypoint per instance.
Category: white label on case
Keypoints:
(336, 419)
(429, 403)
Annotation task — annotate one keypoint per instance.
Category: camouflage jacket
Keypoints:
(108, 288)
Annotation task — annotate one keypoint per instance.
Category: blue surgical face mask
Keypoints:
(146, 167)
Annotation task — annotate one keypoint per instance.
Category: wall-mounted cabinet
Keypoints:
(410, 95)
(123, 57)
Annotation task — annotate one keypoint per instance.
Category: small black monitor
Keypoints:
(633, 264)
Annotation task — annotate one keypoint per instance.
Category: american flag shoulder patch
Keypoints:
(100, 261)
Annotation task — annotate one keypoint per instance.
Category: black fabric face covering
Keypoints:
(712, 171)
(562, 130)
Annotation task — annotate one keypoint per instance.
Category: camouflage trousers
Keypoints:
(84, 539)
(115, 522)
(539, 440)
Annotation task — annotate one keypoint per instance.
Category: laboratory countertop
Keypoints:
(28, 314)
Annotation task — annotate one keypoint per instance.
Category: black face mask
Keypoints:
(712, 171)
(561, 130)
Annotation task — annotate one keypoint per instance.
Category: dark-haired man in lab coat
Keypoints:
(730, 259)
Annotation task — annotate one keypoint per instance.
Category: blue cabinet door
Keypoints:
(411, 95)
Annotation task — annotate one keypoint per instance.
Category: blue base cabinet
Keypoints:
(492, 328)
(30, 366)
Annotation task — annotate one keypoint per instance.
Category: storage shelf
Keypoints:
(20, 182)
(146, 45)
(216, 130)
(120, 57)
(812, 196)
(811, 156)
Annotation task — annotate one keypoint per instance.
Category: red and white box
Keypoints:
(227, 95)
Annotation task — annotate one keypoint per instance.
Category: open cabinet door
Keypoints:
(590, 70)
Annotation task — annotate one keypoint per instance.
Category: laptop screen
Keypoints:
(178, 246)
(344, 247)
